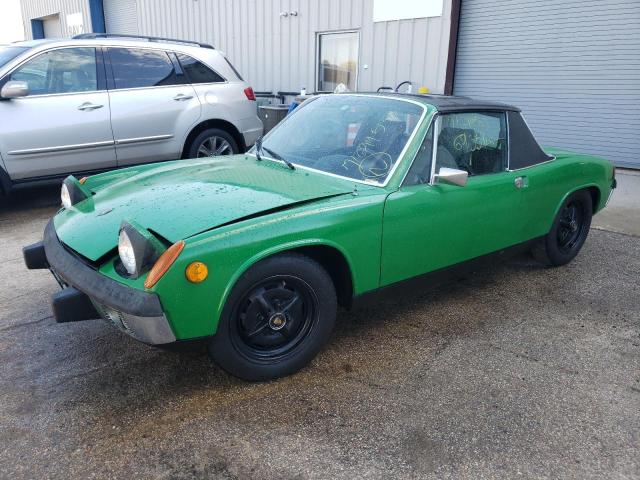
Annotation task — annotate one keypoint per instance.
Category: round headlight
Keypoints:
(127, 255)
(65, 196)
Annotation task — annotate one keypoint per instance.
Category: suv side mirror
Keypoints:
(14, 89)
(452, 176)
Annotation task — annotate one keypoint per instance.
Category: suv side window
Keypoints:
(472, 141)
(138, 68)
(66, 70)
(198, 72)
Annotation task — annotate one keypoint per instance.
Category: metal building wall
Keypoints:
(279, 53)
(572, 66)
(41, 8)
(121, 16)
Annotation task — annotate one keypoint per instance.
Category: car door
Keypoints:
(62, 125)
(152, 109)
(429, 225)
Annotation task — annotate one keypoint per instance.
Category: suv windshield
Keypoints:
(9, 53)
(352, 136)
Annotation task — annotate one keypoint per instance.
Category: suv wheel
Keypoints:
(211, 143)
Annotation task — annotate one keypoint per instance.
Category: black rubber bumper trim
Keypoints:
(71, 305)
(97, 286)
(34, 256)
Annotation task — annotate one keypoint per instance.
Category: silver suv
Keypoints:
(98, 101)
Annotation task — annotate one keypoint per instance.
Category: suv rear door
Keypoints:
(153, 108)
(63, 125)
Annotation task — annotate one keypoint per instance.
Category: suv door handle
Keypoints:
(182, 96)
(88, 106)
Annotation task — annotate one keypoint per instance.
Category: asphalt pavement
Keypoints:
(515, 371)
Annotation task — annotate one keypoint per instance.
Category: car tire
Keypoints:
(278, 316)
(213, 142)
(568, 232)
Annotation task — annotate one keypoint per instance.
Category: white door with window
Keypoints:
(337, 61)
(152, 108)
(63, 124)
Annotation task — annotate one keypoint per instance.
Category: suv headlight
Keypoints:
(72, 192)
(138, 249)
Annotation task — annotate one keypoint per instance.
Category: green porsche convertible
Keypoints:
(350, 195)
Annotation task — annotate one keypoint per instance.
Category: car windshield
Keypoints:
(9, 53)
(354, 136)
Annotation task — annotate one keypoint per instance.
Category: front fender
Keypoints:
(282, 248)
(351, 225)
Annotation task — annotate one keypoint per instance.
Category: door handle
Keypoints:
(181, 96)
(88, 106)
(521, 182)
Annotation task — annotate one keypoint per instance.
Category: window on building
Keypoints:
(475, 142)
(337, 60)
(65, 70)
(198, 72)
(133, 68)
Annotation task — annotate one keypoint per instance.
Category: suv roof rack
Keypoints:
(141, 37)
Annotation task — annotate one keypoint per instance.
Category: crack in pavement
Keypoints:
(25, 324)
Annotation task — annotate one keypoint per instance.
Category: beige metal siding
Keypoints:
(32, 9)
(279, 53)
(121, 16)
(572, 66)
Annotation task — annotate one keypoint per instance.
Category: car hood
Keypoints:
(176, 200)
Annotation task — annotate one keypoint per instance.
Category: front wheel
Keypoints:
(277, 318)
(568, 232)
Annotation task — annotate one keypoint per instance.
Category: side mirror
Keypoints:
(452, 176)
(14, 89)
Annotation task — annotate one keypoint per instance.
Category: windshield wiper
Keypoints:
(259, 148)
(277, 156)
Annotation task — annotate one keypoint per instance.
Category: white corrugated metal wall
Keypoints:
(44, 8)
(572, 66)
(121, 16)
(279, 53)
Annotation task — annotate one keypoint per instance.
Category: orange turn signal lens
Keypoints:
(196, 272)
(163, 263)
(82, 180)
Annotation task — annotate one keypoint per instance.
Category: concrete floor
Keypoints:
(516, 371)
(623, 212)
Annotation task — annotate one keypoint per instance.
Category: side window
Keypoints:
(472, 141)
(134, 68)
(67, 70)
(420, 171)
(198, 72)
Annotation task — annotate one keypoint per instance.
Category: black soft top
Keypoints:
(453, 103)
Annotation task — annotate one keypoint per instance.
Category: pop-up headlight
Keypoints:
(73, 192)
(138, 249)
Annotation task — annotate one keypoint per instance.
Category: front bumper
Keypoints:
(135, 312)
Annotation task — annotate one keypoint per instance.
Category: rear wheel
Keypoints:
(211, 143)
(568, 232)
(277, 318)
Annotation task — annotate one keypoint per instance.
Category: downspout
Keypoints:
(453, 46)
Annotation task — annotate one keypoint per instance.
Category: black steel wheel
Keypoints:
(568, 232)
(276, 319)
(273, 317)
(570, 227)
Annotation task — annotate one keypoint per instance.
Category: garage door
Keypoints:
(51, 26)
(121, 16)
(572, 66)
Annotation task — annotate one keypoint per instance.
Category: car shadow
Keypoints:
(144, 379)
(31, 198)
